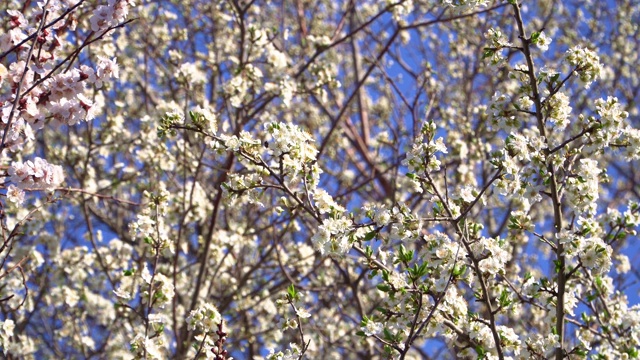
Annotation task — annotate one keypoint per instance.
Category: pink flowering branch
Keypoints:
(70, 58)
(24, 73)
(35, 35)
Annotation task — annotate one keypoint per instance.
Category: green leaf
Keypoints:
(481, 352)
(557, 265)
(291, 291)
(487, 53)
(387, 334)
(402, 251)
(632, 352)
(585, 318)
(580, 351)
(370, 235)
(368, 250)
(459, 270)
(598, 281)
(535, 36)
(504, 298)
(388, 350)
(405, 255)
(420, 270)
(373, 274)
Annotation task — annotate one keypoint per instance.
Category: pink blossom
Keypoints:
(108, 68)
(15, 195)
(36, 174)
(65, 85)
(101, 18)
(17, 19)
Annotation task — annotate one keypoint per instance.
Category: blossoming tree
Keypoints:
(319, 179)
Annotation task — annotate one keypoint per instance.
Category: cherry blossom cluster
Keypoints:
(144, 347)
(238, 87)
(150, 225)
(333, 237)
(586, 62)
(291, 143)
(6, 333)
(558, 110)
(60, 95)
(582, 190)
(422, 157)
(608, 125)
(500, 113)
(397, 223)
(325, 203)
(244, 188)
(496, 42)
(464, 5)
(520, 161)
(40, 93)
(205, 318)
(158, 286)
(292, 353)
(37, 174)
(289, 149)
(109, 15)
